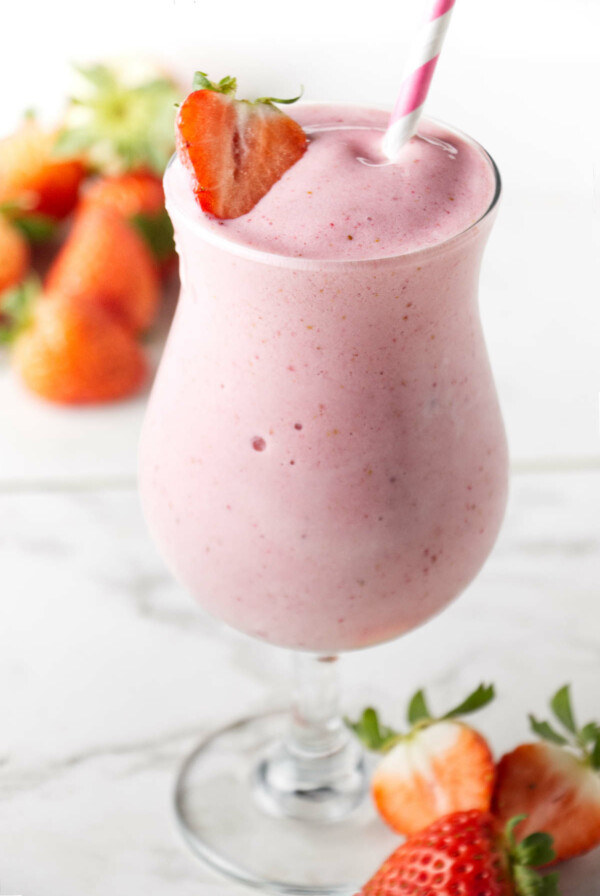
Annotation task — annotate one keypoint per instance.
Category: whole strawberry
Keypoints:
(39, 184)
(466, 854)
(234, 149)
(138, 197)
(105, 262)
(440, 765)
(555, 782)
(71, 352)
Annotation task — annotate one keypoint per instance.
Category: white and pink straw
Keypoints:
(418, 73)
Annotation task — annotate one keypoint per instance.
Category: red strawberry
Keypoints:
(139, 198)
(236, 150)
(136, 193)
(104, 262)
(555, 783)
(14, 254)
(33, 178)
(74, 352)
(440, 766)
(465, 854)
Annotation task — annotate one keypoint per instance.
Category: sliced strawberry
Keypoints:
(440, 766)
(446, 767)
(236, 150)
(465, 854)
(555, 783)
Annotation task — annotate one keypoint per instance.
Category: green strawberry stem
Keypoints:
(119, 126)
(525, 856)
(36, 226)
(228, 86)
(585, 741)
(16, 307)
(379, 738)
(157, 232)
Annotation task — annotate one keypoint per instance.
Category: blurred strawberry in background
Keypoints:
(37, 186)
(14, 254)
(90, 190)
(106, 263)
(75, 353)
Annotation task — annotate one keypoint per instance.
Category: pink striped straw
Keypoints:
(418, 73)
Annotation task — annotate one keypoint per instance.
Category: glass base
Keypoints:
(232, 819)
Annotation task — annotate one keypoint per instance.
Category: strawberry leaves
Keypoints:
(121, 121)
(157, 233)
(273, 99)
(417, 709)
(35, 226)
(16, 306)
(585, 740)
(561, 707)
(381, 739)
(480, 697)
(226, 85)
(533, 852)
(529, 883)
(372, 733)
(547, 732)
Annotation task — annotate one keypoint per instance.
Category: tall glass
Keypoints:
(323, 466)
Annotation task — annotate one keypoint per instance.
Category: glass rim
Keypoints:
(276, 259)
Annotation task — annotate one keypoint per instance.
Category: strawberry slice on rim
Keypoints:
(235, 149)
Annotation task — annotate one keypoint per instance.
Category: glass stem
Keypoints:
(316, 772)
(317, 728)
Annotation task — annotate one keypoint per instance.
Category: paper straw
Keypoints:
(418, 73)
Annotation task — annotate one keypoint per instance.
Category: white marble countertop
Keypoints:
(109, 673)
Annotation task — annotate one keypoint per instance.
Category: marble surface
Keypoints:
(109, 674)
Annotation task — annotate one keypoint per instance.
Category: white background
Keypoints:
(520, 76)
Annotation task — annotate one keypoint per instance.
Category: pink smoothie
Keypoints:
(323, 463)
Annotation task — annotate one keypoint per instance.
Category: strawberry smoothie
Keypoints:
(323, 463)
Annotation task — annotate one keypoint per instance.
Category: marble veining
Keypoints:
(109, 674)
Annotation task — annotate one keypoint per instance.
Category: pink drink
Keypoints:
(323, 462)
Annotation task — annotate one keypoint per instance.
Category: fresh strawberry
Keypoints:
(466, 854)
(439, 766)
(76, 353)
(139, 198)
(136, 193)
(556, 782)
(14, 254)
(37, 182)
(121, 118)
(235, 150)
(105, 262)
